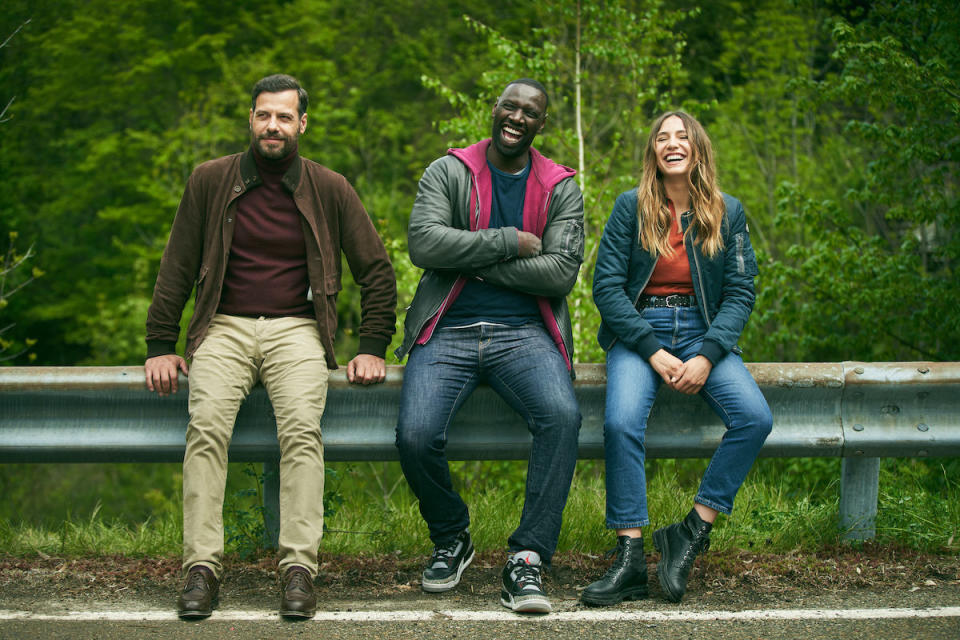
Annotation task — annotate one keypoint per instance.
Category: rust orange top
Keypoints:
(672, 273)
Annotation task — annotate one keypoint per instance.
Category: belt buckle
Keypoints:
(673, 295)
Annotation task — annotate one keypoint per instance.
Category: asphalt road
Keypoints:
(868, 594)
(928, 629)
(866, 615)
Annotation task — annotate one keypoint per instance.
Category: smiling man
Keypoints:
(260, 235)
(498, 230)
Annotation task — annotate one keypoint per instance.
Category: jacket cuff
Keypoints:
(712, 351)
(161, 348)
(511, 242)
(373, 347)
(648, 346)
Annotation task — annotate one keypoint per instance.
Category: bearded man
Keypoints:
(259, 234)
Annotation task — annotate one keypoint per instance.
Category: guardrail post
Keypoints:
(271, 504)
(859, 489)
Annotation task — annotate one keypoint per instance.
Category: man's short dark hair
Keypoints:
(280, 82)
(530, 82)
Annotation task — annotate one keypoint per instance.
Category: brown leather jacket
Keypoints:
(333, 220)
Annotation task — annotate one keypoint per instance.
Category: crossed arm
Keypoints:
(504, 256)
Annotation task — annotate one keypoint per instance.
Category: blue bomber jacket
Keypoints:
(723, 284)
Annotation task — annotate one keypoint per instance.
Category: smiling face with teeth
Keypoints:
(518, 116)
(673, 149)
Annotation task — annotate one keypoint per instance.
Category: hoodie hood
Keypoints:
(545, 174)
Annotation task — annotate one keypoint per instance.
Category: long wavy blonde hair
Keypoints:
(706, 201)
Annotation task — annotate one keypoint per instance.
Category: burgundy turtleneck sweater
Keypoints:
(267, 268)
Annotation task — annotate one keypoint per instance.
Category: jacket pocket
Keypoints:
(746, 259)
(331, 288)
(572, 239)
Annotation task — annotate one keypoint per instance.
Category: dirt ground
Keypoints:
(879, 576)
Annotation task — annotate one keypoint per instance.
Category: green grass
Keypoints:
(785, 505)
(94, 537)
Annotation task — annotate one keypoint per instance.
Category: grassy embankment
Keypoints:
(785, 505)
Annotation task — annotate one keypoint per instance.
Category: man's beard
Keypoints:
(274, 152)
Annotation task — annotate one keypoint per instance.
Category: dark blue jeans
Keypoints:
(523, 365)
(631, 388)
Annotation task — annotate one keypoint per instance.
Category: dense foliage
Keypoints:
(835, 122)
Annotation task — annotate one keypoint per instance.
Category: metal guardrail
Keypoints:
(857, 411)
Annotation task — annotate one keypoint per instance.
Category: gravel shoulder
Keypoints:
(843, 577)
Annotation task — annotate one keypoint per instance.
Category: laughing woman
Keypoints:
(674, 286)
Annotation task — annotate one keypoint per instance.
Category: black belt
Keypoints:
(673, 300)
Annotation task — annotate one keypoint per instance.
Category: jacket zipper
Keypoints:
(546, 208)
(700, 295)
(636, 298)
(476, 188)
(439, 309)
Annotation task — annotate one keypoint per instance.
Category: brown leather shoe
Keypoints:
(199, 595)
(298, 599)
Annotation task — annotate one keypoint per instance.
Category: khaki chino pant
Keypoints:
(285, 354)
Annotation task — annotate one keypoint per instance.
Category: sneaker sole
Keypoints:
(525, 604)
(637, 593)
(660, 544)
(298, 615)
(440, 587)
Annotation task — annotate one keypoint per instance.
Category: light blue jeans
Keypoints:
(632, 385)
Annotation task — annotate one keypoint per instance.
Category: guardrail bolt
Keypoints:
(858, 453)
(922, 453)
(858, 427)
(923, 369)
(858, 370)
(922, 427)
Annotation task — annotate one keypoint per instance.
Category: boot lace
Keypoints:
(699, 544)
(619, 562)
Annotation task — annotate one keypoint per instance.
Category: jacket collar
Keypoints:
(547, 172)
(251, 177)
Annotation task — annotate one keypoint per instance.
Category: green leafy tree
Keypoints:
(15, 274)
(874, 277)
(13, 268)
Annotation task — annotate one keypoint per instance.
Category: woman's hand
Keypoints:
(693, 375)
(667, 365)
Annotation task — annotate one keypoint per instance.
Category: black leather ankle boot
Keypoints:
(626, 579)
(679, 545)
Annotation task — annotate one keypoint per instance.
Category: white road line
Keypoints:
(505, 616)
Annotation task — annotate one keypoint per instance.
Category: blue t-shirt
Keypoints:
(481, 301)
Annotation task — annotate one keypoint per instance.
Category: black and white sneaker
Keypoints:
(521, 589)
(447, 563)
